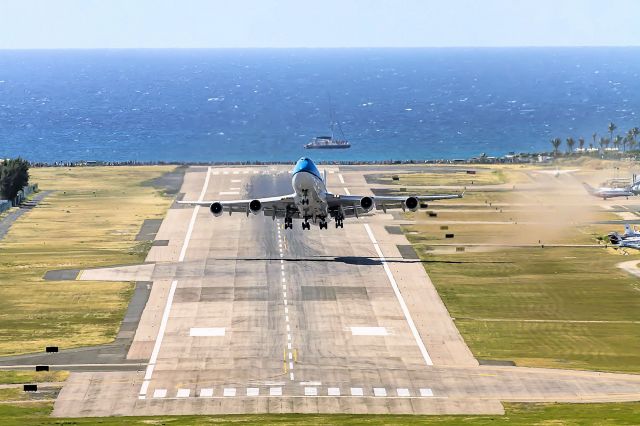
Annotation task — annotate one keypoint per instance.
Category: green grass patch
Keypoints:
(561, 307)
(90, 220)
(24, 376)
(516, 414)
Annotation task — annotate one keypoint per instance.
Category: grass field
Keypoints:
(562, 307)
(24, 376)
(516, 414)
(91, 219)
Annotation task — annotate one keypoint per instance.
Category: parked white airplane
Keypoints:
(612, 192)
(313, 203)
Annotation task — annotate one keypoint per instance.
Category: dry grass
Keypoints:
(90, 220)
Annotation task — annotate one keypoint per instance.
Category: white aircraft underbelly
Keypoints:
(306, 183)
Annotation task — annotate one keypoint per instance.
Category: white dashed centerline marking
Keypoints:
(289, 352)
(403, 305)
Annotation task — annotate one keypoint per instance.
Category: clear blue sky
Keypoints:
(319, 23)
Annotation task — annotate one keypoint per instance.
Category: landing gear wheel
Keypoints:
(306, 225)
(339, 223)
(288, 223)
(323, 225)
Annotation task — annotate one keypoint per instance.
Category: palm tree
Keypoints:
(617, 141)
(632, 144)
(570, 143)
(626, 140)
(594, 136)
(590, 146)
(603, 143)
(634, 133)
(556, 145)
(581, 143)
(611, 127)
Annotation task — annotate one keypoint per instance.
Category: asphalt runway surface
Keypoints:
(246, 317)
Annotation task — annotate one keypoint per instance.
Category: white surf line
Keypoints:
(172, 290)
(396, 290)
(289, 349)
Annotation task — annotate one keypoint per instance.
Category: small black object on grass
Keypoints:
(30, 388)
(51, 349)
(395, 177)
(444, 227)
(433, 214)
(42, 368)
(448, 235)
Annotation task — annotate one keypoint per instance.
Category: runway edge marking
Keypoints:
(396, 290)
(172, 290)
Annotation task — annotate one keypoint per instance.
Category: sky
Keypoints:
(51, 24)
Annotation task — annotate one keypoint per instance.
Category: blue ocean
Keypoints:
(264, 105)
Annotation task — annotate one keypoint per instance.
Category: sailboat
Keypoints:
(330, 142)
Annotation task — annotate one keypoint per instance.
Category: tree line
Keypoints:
(629, 139)
(14, 175)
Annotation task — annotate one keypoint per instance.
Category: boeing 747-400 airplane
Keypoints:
(313, 203)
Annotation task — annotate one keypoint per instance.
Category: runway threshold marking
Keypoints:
(172, 290)
(396, 290)
(341, 178)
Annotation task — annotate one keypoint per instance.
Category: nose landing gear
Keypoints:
(306, 225)
(288, 223)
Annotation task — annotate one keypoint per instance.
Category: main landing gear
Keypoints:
(339, 224)
(323, 224)
(306, 225)
(288, 223)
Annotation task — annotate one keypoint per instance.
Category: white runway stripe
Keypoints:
(403, 392)
(206, 332)
(379, 392)
(403, 305)
(369, 331)
(206, 392)
(172, 290)
(183, 393)
(159, 393)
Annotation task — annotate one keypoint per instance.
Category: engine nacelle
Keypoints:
(255, 206)
(412, 203)
(216, 209)
(366, 204)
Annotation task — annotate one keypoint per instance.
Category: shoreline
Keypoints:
(541, 158)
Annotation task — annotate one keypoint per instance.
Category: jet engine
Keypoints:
(216, 209)
(255, 206)
(366, 204)
(412, 203)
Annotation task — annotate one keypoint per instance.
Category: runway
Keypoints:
(246, 317)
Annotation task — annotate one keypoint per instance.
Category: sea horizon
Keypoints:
(264, 104)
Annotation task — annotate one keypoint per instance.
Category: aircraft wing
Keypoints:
(271, 206)
(352, 205)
